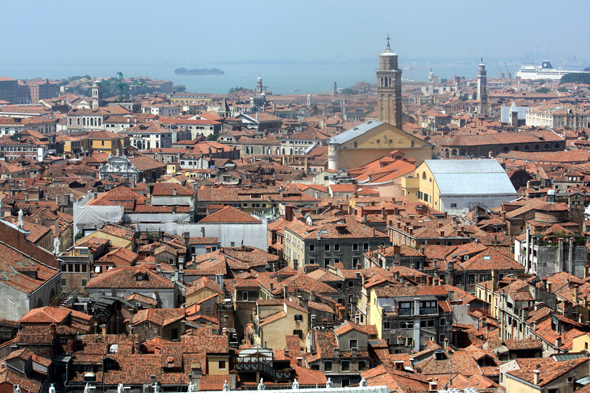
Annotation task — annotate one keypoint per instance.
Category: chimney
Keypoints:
(548, 287)
(495, 274)
(433, 386)
(536, 377)
(383, 213)
(202, 231)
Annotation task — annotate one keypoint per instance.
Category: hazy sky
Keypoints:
(216, 31)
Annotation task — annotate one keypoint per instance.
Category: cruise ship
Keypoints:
(545, 71)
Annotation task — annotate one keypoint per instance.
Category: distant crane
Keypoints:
(507, 71)
(121, 86)
(500, 71)
(409, 68)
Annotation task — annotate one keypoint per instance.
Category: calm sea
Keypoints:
(278, 77)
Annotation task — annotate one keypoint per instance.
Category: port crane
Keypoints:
(121, 84)
(507, 71)
(500, 71)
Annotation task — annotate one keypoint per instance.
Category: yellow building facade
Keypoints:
(581, 343)
(375, 314)
(200, 294)
(371, 141)
(106, 142)
(217, 364)
(422, 187)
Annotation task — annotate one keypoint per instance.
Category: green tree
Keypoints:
(179, 88)
(562, 90)
(582, 77)
(212, 137)
(348, 91)
(542, 90)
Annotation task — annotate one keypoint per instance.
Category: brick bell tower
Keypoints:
(389, 88)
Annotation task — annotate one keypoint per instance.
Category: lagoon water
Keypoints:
(278, 77)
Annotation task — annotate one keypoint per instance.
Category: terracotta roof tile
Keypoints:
(230, 214)
(127, 277)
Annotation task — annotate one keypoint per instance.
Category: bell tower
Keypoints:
(389, 89)
(482, 95)
(97, 95)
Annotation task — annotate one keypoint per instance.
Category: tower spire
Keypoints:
(389, 82)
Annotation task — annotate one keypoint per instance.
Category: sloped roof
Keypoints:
(355, 132)
(125, 277)
(471, 177)
(229, 214)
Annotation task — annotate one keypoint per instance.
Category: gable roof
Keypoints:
(125, 277)
(355, 132)
(229, 214)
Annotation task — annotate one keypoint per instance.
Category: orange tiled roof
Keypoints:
(230, 214)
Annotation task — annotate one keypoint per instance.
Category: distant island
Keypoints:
(199, 71)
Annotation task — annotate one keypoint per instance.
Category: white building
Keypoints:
(149, 135)
(557, 116)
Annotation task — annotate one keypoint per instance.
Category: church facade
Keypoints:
(118, 166)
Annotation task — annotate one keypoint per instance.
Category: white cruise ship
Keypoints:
(545, 71)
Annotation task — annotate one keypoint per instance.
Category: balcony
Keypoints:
(261, 365)
(428, 311)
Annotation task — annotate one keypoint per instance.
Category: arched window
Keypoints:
(537, 147)
(516, 148)
(423, 175)
(527, 147)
